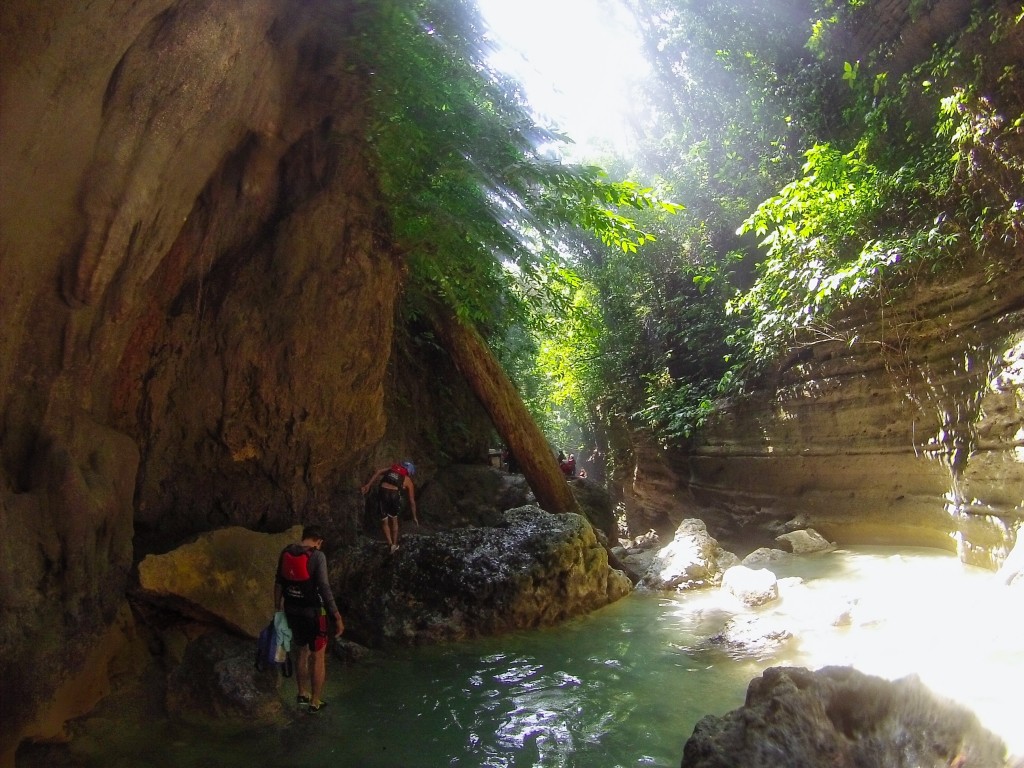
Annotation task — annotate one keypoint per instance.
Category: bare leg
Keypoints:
(318, 669)
(302, 671)
(392, 522)
(386, 527)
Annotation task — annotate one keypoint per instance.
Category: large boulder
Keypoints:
(744, 637)
(838, 716)
(533, 569)
(477, 494)
(596, 503)
(763, 556)
(692, 559)
(638, 553)
(217, 682)
(225, 576)
(804, 541)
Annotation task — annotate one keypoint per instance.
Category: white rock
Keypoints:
(752, 586)
(1011, 572)
(692, 559)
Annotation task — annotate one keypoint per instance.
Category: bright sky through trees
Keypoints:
(579, 61)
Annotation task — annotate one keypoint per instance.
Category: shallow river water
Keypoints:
(626, 685)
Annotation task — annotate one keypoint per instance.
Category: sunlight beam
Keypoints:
(578, 60)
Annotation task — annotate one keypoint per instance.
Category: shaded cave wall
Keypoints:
(197, 311)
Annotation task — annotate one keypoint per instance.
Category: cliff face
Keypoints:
(914, 434)
(196, 309)
(197, 312)
(902, 421)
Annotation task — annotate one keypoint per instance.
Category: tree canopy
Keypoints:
(478, 200)
(801, 179)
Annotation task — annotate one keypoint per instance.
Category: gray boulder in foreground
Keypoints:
(216, 683)
(842, 718)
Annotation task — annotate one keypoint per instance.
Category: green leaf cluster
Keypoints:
(478, 199)
(929, 178)
(806, 178)
(717, 135)
(810, 180)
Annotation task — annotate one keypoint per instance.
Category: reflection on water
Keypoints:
(608, 690)
(625, 686)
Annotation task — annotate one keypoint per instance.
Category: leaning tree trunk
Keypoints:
(509, 414)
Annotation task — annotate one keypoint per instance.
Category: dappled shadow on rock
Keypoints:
(470, 494)
(463, 495)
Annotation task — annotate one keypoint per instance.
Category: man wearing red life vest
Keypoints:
(303, 592)
(394, 481)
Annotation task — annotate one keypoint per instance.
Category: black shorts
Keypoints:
(390, 502)
(309, 627)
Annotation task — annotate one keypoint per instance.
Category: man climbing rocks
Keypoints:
(393, 481)
(303, 592)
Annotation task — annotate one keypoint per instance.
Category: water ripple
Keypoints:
(621, 688)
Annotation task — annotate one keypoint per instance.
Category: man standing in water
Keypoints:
(394, 480)
(303, 592)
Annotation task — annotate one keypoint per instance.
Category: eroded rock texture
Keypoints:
(532, 569)
(919, 445)
(840, 717)
(526, 569)
(693, 559)
(191, 267)
(217, 682)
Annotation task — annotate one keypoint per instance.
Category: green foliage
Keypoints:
(486, 214)
(660, 350)
(568, 355)
(675, 410)
(862, 222)
(821, 30)
(718, 136)
(902, 175)
(817, 256)
(811, 177)
(476, 200)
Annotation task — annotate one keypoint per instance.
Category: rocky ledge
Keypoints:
(531, 569)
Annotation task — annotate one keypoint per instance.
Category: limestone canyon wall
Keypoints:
(192, 264)
(905, 427)
(912, 435)
(901, 422)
